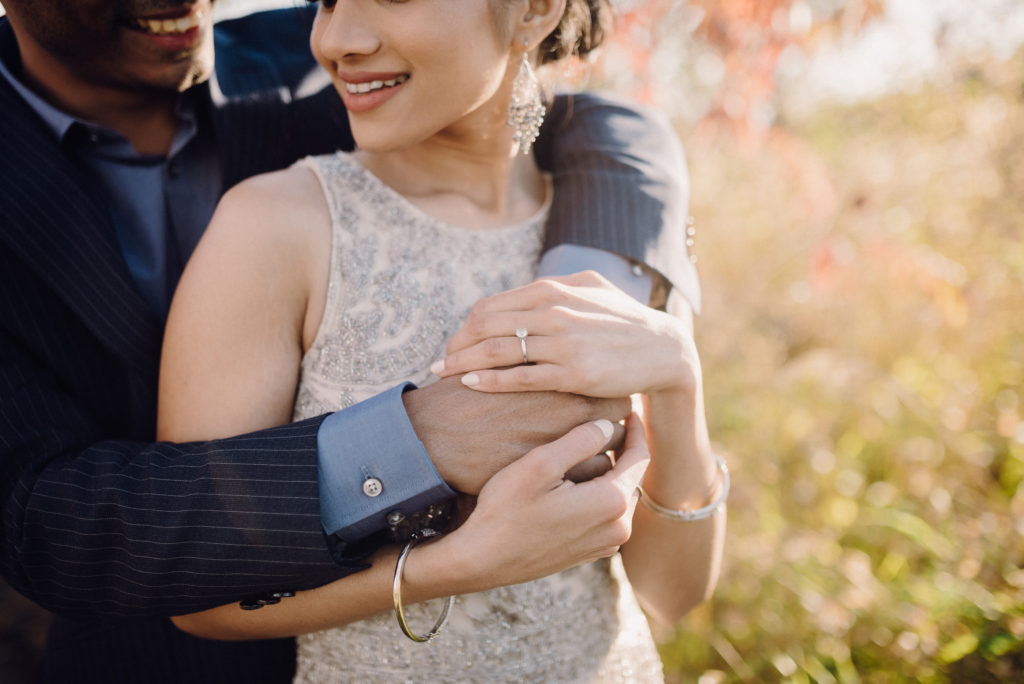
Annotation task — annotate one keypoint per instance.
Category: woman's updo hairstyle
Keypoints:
(581, 30)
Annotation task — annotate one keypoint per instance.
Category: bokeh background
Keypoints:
(857, 170)
(858, 187)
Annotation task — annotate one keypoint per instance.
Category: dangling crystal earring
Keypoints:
(526, 111)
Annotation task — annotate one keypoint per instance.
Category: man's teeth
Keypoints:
(370, 86)
(162, 27)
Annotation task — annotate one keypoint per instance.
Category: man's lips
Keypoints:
(173, 23)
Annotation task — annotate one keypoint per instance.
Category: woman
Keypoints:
(326, 283)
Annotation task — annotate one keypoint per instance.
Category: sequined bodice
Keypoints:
(400, 284)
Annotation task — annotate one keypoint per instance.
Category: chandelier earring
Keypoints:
(526, 111)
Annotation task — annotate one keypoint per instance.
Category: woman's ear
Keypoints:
(539, 20)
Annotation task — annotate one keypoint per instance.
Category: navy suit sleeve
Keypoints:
(621, 184)
(127, 528)
(97, 520)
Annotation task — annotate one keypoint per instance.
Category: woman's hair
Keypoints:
(581, 30)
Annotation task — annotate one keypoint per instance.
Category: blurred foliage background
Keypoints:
(858, 186)
(861, 254)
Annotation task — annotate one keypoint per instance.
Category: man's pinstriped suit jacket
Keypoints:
(113, 532)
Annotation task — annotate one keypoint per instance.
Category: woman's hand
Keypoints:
(585, 336)
(530, 521)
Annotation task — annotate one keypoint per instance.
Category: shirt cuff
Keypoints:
(633, 279)
(370, 463)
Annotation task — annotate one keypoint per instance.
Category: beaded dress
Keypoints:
(400, 284)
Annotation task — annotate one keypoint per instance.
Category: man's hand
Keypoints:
(530, 522)
(470, 435)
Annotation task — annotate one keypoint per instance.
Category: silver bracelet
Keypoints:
(396, 592)
(698, 514)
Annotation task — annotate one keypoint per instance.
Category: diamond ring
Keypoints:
(521, 334)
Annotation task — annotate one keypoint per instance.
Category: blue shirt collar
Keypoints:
(61, 122)
(56, 120)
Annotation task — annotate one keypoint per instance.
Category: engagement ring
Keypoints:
(521, 334)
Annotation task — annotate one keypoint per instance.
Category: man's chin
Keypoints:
(178, 77)
(194, 78)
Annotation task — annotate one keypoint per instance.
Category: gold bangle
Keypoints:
(698, 514)
(396, 592)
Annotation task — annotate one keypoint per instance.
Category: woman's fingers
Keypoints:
(539, 378)
(500, 352)
(612, 497)
(493, 352)
(521, 298)
(480, 326)
(539, 308)
(632, 460)
(579, 522)
(557, 458)
(635, 455)
(594, 466)
(598, 465)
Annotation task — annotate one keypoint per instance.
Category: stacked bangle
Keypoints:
(694, 515)
(396, 592)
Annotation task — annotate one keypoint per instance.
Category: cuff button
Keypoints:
(372, 487)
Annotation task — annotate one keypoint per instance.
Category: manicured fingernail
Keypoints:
(472, 380)
(437, 367)
(605, 426)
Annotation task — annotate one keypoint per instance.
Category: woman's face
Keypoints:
(409, 69)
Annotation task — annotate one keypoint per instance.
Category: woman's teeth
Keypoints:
(163, 27)
(370, 86)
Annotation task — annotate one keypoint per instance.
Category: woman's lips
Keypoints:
(365, 91)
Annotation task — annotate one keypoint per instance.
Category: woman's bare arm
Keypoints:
(236, 330)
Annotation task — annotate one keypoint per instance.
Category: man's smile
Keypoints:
(167, 24)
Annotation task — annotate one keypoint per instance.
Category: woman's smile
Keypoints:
(367, 90)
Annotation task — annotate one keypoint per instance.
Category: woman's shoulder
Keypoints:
(276, 220)
(335, 172)
(274, 194)
(270, 206)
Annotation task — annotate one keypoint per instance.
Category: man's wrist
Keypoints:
(372, 465)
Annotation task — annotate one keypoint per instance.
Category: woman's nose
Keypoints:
(350, 31)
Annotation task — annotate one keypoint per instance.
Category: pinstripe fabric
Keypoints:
(99, 521)
(621, 185)
(125, 528)
(155, 652)
(96, 520)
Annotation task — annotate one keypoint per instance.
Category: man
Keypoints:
(114, 147)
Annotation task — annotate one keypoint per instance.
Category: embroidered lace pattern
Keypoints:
(400, 284)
